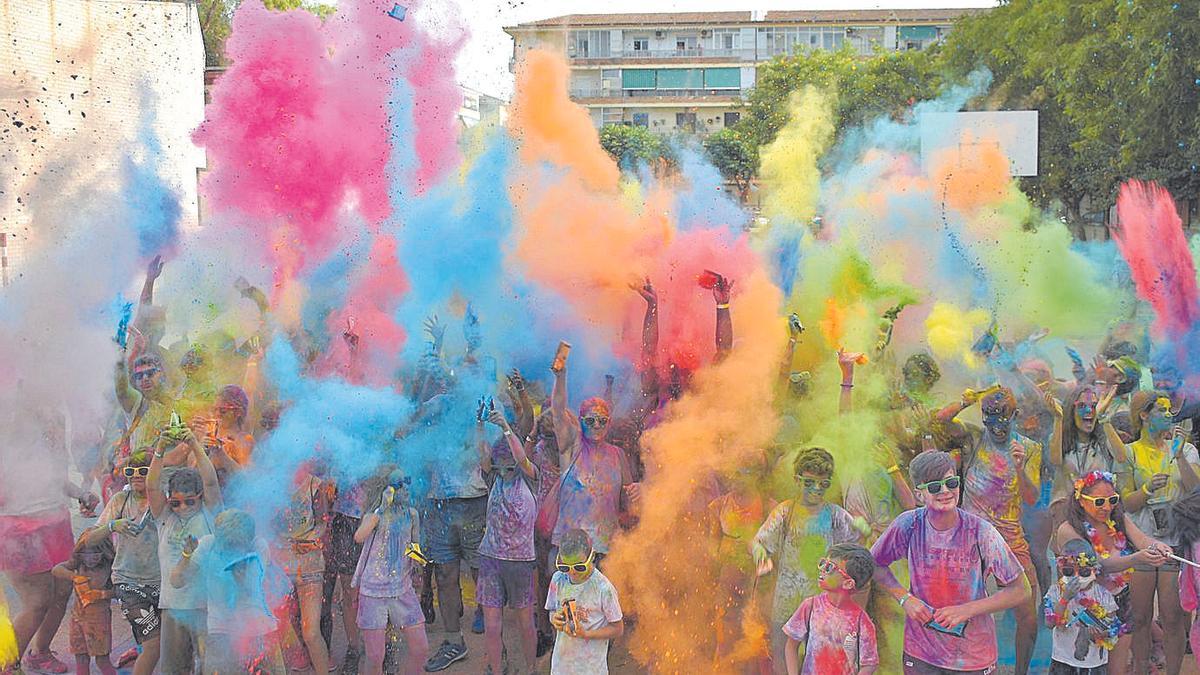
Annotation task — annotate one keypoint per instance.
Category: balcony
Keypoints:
(614, 96)
(697, 54)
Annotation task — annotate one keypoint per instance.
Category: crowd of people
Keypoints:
(1075, 504)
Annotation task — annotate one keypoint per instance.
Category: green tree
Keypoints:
(216, 17)
(629, 145)
(734, 156)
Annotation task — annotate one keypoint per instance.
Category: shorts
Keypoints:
(301, 568)
(1058, 668)
(139, 605)
(35, 543)
(341, 555)
(402, 612)
(453, 529)
(183, 632)
(238, 655)
(918, 667)
(505, 583)
(91, 629)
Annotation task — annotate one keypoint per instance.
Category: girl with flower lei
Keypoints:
(1095, 514)
(1083, 614)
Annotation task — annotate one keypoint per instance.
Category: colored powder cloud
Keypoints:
(788, 166)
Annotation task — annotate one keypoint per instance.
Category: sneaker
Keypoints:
(545, 643)
(447, 654)
(477, 625)
(45, 662)
(128, 657)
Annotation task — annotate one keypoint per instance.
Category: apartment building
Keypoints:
(688, 71)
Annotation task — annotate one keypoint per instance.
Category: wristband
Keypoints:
(895, 468)
(159, 454)
(186, 555)
(1146, 490)
(847, 386)
(905, 599)
(724, 306)
(508, 432)
(110, 526)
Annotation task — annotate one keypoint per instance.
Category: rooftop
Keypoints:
(839, 16)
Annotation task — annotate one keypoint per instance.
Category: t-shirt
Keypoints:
(872, 497)
(137, 556)
(991, 486)
(949, 568)
(590, 497)
(837, 639)
(350, 500)
(384, 571)
(796, 542)
(236, 598)
(1065, 639)
(1145, 460)
(35, 459)
(172, 531)
(511, 511)
(596, 606)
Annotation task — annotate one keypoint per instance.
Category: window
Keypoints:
(732, 118)
(722, 78)
(641, 119)
(685, 121)
(724, 38)
(584, 44)
(638, 78)
(641, 44)
(681, 78)
(685, 43)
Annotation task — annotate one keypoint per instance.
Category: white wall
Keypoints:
(71, 74)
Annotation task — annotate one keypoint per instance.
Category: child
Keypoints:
(838, 636)
(506, 554)
(90, 570)
(384, 578)
(1082, 613)
(581, 646)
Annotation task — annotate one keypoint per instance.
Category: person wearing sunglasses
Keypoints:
(1162, 467)
(950, 552)
(1082, 614)
(584, 609)
(837, 634)
(136, 574)
(186, 509)
(1001, 476)
(1096, 513)
(143, 393)
(506, 555)
(791, 528)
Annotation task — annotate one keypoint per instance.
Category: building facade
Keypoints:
(689, 71)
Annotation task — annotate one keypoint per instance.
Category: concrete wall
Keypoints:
(71, 91)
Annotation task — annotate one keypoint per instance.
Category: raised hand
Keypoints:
(722, 290)
(646, 290)
(155, 268)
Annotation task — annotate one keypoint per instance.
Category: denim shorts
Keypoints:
(401, 612)
(453, 529)
(505, 583)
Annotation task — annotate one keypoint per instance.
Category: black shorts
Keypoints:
(341, 554)
(139, 606)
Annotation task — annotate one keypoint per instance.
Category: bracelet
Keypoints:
(895, 468)
(110, 526)
(186, 555)
(508, 432)
(847, 386)
(1146, 490)
(724, 306)
(159, 454)
(905, 599)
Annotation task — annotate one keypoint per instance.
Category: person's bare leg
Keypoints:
(83, 664)
(493, 637)
(449, 593)
(1141, 596)
(148, 659)
(104, 663)
(416, 649)
(1027, 617)
(309, 595)
(34, 591)
(1174, 621)
(350, 611)
(1118, 657)
(528, 637)
(374, 643)
(60, 594)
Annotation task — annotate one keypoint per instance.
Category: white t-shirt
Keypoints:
(596, 606)
(172, 531)
(1063, 639)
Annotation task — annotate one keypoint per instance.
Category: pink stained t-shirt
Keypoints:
(949, 568)
(838, 640)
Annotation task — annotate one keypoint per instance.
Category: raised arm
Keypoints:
(795, 329)
(514, 444)
(126, 394)
(721, 294)
(846, 361)
(647, 365)
(518, 394)
(481, 444)
(155, 494)
(208, 473)
(153, 270)
(1056, 435)
(565, 430)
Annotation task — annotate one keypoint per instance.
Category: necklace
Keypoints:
(1119, 580)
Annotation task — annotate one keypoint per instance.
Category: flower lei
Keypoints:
(1120, 579)
(1114, 627)
(1091, 478)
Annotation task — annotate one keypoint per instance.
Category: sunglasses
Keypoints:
(828, 566)
(1099, 501)
(189, 501)
(504, 468)
(814, 484)
(1083, 572)
(145, 374)
(935, 486)
(405, 481)
(131, 471)
(578, 567)
(595, 420)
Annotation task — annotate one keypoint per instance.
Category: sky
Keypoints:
(483, 63)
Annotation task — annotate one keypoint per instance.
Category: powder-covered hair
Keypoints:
(815, 461)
